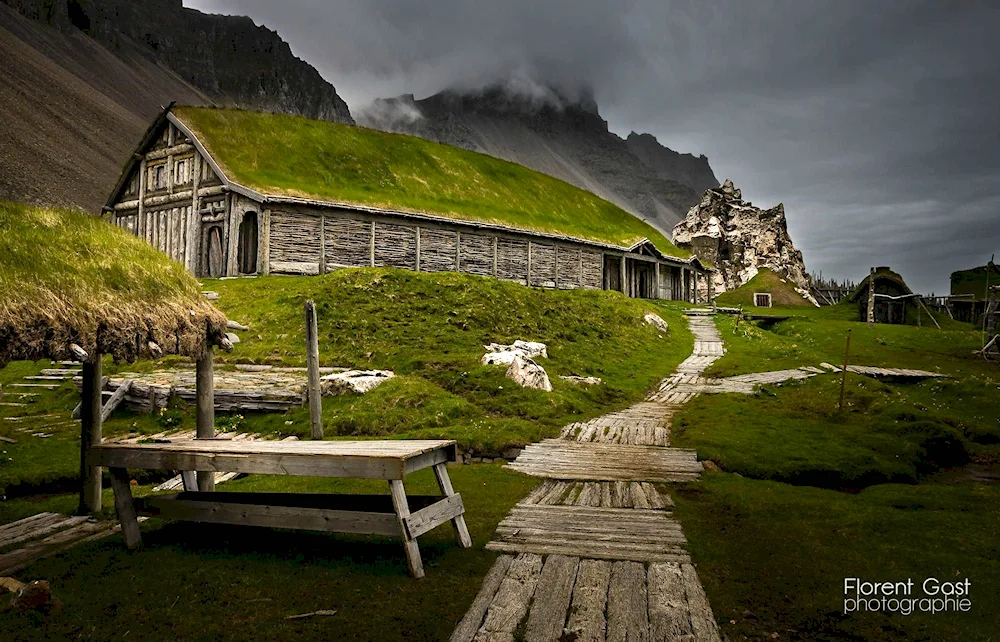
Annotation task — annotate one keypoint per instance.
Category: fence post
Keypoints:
(312, 359)
(205, 400)
(843, 373)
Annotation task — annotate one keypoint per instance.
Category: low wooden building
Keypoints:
(893, 298)
(971, 293)
(178, 193)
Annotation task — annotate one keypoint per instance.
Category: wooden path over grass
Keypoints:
(594, 554)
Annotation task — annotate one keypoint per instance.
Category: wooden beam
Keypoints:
(205, 383)
(90, 435)
(458, 520)
(125, 508)
(402, 508)
(418, 248)
(312, 359)
(371, 245)
(115, 400)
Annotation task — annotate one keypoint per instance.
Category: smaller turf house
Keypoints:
(229, 192)
(893, 298)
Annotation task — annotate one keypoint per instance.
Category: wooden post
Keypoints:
(125, 508)
(312, 359)
(205, 383)
(711, 288)
(843, 373)
(624, 282)
(656, 279)
(496, 243)
(458, 251)
(371, 246)
(871, 298)
(90, 434)
(402, 509)
(528, 282)
(418, 248)
(322, 243)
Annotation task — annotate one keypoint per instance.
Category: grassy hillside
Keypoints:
(431, 328)
(782, 292)
(297, 156)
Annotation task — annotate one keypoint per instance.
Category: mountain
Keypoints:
(565, 138)
(81, 81)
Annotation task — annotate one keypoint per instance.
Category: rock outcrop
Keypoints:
(354, 381)
(739, 239)
(500, 354)
(557, 135)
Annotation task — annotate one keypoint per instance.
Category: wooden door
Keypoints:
(216, 256)
(246, 255)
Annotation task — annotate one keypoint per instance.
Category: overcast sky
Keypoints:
(877, 124)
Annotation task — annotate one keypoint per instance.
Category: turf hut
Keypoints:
(229, 192)
(972, 292)
(73, 287)
(893, 298)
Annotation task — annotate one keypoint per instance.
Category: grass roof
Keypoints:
(782, 291)
(881, 273)
(67, 277)
(296, 156)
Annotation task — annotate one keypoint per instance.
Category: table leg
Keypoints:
(189, 479)
(458, 523)
(125, 508)
(409, 543)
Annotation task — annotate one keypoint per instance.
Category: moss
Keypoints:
(296, 156)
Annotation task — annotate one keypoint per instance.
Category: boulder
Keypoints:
(655, 321)
(582, 381)
(710, 465)
(354, 381)
(502, 355)
(501, 358)
(528, 374)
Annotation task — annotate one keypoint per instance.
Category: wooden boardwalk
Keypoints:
(594, 553)
(46, 534)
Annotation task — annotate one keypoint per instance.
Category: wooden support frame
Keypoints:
(91, 413)
(372, 514)
(205, 409)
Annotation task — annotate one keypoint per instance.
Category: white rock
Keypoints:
(354, 381)
(530, 349)
(655, 321)
(528, 374)
(501, 358)
(584, 381)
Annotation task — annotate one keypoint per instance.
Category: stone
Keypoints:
(656, 321)
(354, 381)
(35, 596)
(581, 381)
(710, 465)
(233, 338)
(10, 585)
(528, 374)
(501, 354)
(740, 240)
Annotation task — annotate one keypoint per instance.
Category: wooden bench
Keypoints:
(396, 514)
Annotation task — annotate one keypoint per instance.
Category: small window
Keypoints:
(157, 177)
(206, 171)
(181, 173)
(762, 299)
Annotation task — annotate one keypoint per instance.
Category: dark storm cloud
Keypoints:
(877, 124)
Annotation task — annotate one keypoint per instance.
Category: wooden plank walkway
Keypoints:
(594, 553)
(47, 534)
(565, 459)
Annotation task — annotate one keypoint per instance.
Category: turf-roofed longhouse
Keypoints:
(229, 192)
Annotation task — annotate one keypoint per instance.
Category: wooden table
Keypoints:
(396, 514)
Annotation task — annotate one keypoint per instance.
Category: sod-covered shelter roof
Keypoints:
(973, 283)
(782, 291)
(880, 274)
(70, 278)
(291, 156)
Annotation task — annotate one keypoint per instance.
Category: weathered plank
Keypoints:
(669, 618)
(702, 620)
(590, 594)
(628, 619)
(510, 604)
(552, 597)
(473, 618)
(125, 507)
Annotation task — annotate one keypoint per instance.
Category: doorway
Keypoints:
(246, 254)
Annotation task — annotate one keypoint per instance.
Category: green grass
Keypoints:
(815, 335)
(782, 291)
(887, 432)
(428, 328)
(773, 557)
(196, 581)
(296, 156)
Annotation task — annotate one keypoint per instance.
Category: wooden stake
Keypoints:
(312, 357)
(871, 298)
(90, 434)
(843, 373)
(205, 399)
